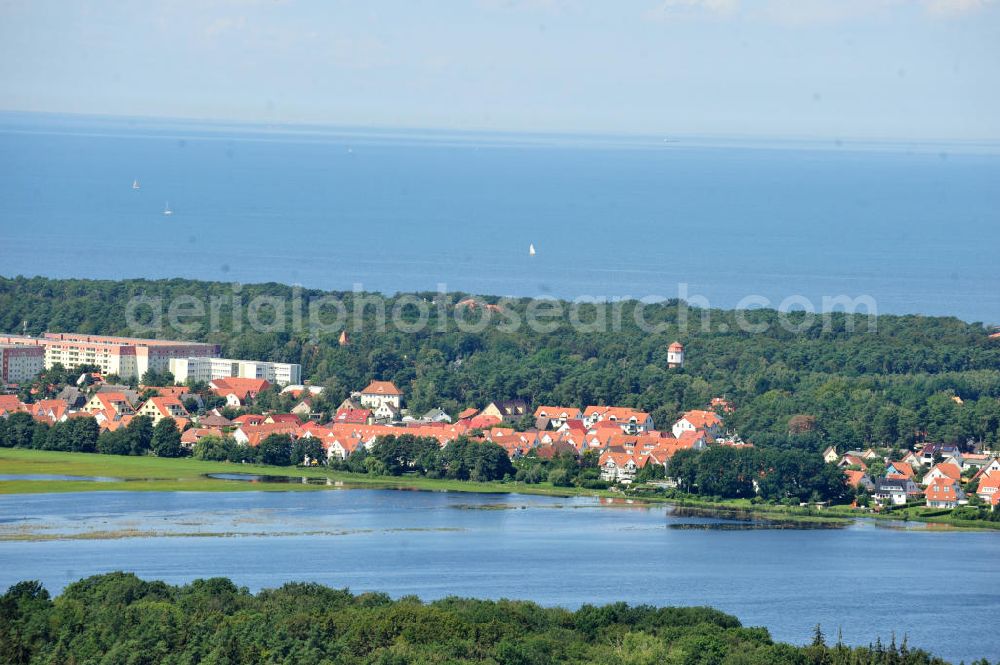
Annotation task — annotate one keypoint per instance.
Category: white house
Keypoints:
(378, 393)
(894, 491)
(694, 421)
(940, 471)
(944, 493)
(989, 486)
(618, 467)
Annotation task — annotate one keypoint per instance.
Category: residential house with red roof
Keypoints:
(353, 417)
(627, 419)
(339, 446)
(50, 411)
(852, 460)
(558, 415)
(899, 469)
(618, 466)
(989, 486)
(378, 393)
(942, 470)
(468, 413)
(10, 404)
(944, 492)
(859, 479)
(214, 420)
(111, 403)
(238, 391)
(180, 392)
(993, 465)
(252, 435)
(699, 421)
(250, 419)
(195, 434)
(158, 408)
(386, 413)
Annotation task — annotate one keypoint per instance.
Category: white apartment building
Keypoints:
(128, 357)
(20, 364)
(203, 368)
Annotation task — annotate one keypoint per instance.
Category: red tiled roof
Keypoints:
(854, 460)
(622, 414)
(353, 416)
(483, 422)
(561, 412)
(257, 433)
(163, 405)
(249, 419)
(853, 477)
(990, 482)
(702, 419)
(10, 404)
(195, 433)
(942, 489)
(902, 469)
(948, 469)
(55, 408)
(240, 387)
(381, 388)
(168, 391)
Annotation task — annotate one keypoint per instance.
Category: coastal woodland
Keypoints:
(889, 381)
(118, 618)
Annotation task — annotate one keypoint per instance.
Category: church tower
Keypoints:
(675, 355)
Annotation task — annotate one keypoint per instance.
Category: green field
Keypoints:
(185, 474)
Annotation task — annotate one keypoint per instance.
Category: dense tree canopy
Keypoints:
(118, 618)
(890, 383)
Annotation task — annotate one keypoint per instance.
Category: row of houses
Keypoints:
(916, 476)
(114, 406)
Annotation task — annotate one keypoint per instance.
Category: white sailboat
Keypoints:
(135, 184)
(167, 211)
(531, 249)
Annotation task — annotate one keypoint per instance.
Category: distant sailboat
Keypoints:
(531, 249)
(167, 211)
(135, 184)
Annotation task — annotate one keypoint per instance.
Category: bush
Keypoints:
(560, 477)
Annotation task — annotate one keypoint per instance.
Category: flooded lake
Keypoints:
(866, 580)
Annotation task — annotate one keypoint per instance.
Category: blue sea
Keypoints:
(914, 226)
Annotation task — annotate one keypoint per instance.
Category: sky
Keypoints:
(890, 69)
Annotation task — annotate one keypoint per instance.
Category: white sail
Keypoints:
(167, 210)
(135, 184)
(531, 249)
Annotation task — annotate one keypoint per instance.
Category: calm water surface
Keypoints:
(915, 227)
(865, 580)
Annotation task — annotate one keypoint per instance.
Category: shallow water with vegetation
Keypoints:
(556, 551)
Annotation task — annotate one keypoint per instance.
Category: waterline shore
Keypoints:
(59, 472)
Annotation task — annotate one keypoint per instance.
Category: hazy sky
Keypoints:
(916, 69)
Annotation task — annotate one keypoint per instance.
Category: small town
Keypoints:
(376, 333)
(209, 398)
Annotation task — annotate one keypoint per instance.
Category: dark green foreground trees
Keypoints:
(118, 619)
